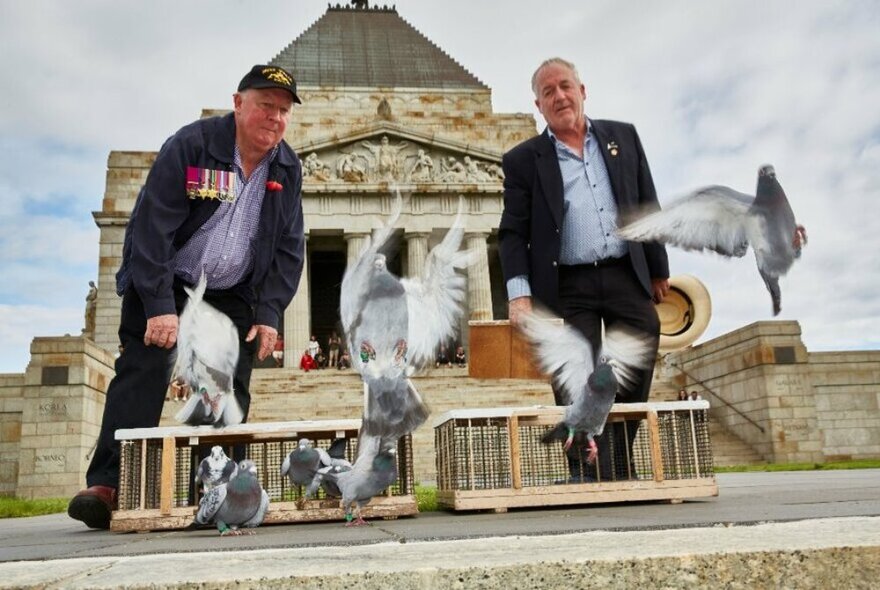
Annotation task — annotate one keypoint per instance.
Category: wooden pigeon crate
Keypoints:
(494, 458)
(156, 488)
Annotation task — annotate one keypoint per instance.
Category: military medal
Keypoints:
(612, 148)
(203, 183)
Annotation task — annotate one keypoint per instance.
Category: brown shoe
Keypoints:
(93, 506)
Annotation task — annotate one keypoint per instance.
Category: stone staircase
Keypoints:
(728, 449)
(281, 395)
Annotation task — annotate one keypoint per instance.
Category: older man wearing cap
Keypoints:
(223, 198)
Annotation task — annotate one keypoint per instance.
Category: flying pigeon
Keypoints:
(590, 388)
(374, 470)
(393, 326)
(303, 464)
(725, 221)
(240, 503)
(215, 469)
(207, 354)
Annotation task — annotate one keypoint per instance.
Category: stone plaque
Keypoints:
(54, 376)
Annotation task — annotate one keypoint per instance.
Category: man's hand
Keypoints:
(660, 288)
(161, 331)
(517, 307)
(268, 335)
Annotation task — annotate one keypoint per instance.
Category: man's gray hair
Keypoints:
(554, 61)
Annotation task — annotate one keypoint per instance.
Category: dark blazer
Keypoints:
(164, 219)
(529, 235)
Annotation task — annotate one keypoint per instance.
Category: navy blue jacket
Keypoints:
(164, 218)
(529, 238)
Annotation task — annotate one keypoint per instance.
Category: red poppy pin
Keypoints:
(274, 185)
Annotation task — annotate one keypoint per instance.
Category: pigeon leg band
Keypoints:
(569, 440)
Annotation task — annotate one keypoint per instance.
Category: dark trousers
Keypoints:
(590, 296)
(137, 392)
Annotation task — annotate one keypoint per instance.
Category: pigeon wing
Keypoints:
(434, 301)
(629, 351)
(258, 517)
(560, 351)
(356, 281)
(210, 504)
(711, 218)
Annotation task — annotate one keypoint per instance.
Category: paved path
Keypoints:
(819, 510)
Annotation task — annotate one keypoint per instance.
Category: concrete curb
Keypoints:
(842, 552)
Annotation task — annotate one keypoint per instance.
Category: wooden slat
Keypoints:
(166, 486)
(143, 487)
(515, 456)
(250, 430)
(654, 443)
(589, 493)
(279, 512)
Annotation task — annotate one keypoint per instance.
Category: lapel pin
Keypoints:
(612, 148)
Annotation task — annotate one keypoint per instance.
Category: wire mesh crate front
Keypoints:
(640, 443)
(142, 461)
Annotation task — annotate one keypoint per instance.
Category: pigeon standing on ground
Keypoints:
(374, 470)
(393, 326)
(240, 503)
(303, 464)
(565, 354)
(215, 469)
(207, 354)
(725, 221)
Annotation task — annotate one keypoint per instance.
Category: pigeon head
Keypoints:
(248, 466)
(217, 453)
(304, 444)
(602, 379)
(379, 262)
(767, 170)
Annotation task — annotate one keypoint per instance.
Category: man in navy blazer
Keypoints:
(223, 199)
(565, 192)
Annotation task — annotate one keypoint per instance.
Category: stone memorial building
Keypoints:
(384, 109)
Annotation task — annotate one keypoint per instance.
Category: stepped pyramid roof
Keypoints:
(371, 47)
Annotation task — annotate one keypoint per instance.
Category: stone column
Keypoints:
(416, 252)
(355, 243)
(298, 317)
(479, 288)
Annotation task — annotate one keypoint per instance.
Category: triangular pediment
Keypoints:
(388, 152)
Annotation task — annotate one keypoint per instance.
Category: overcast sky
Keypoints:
(715, 89)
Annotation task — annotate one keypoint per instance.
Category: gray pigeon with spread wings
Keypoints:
(207, 354)
(374, 470)
(393, 326)
(238, 504)
(725, 221)
(564, 353)
(215, 469)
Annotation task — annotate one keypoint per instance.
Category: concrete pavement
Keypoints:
(808, 527)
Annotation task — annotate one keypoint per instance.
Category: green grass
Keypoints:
(426, 497)
(860, 464)
(16, 507)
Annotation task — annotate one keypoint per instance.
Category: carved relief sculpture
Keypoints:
(315, 168)
(386, 163)
(423, 168)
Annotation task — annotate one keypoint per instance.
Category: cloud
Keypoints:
(715, 88)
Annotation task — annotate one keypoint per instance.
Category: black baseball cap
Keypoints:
(263, 76)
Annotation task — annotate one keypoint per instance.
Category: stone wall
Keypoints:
(811, 407)
(62, 402)
(11, 403)
(846, 386)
